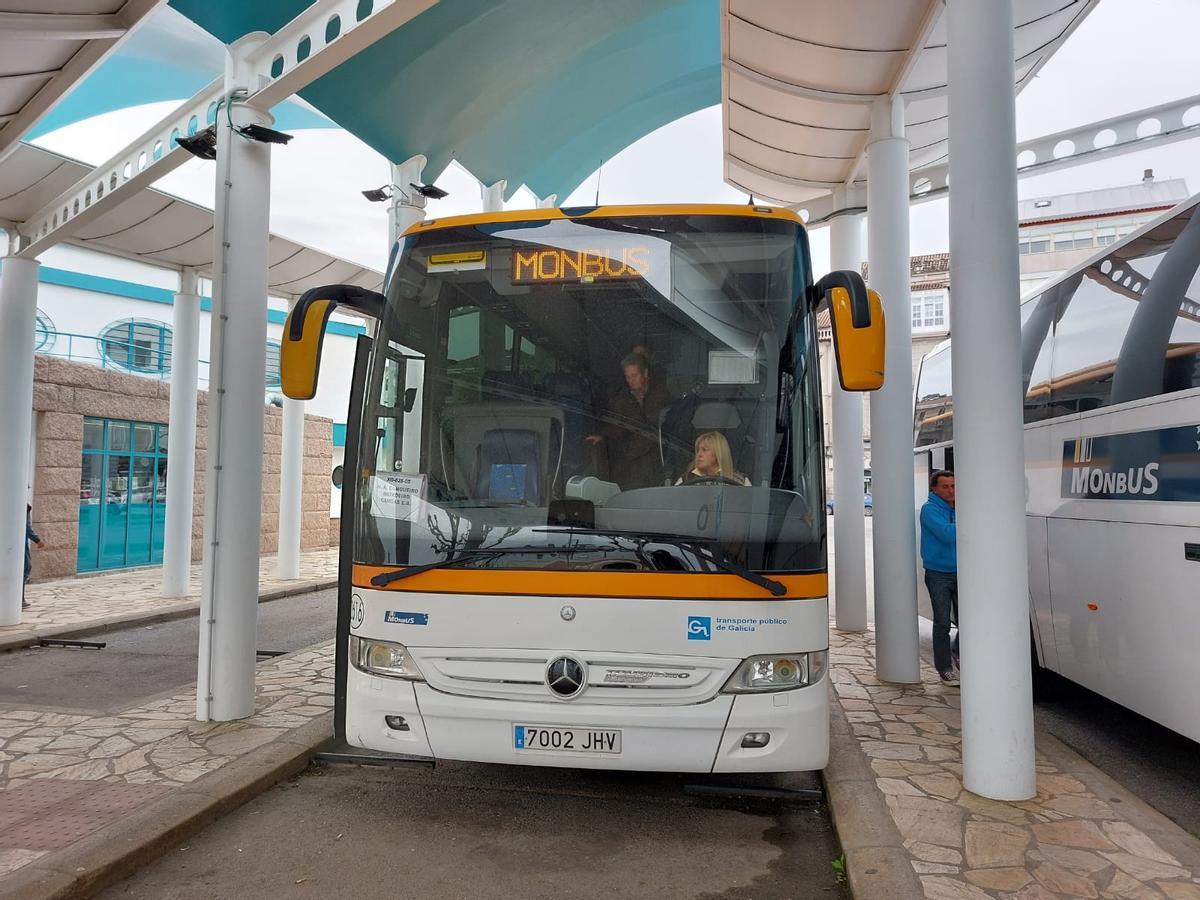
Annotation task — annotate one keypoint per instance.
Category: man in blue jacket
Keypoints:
(939, 555)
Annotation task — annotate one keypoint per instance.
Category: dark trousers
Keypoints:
(943, 596)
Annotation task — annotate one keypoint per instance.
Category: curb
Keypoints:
(877, 863)
(120, 849)
(29, 638)
(879, 867)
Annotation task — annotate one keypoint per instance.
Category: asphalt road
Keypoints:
(147, 661)
(469, 830)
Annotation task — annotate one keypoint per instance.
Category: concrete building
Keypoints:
(1057, 233)
(97, 480)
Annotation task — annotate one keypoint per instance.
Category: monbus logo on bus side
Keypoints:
(1159, 464)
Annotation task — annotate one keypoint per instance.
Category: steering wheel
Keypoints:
(712, 479)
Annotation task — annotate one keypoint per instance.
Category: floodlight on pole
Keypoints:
(379, 194)
(264, 135)
(202, 144)
(429, 191)
(385, 192)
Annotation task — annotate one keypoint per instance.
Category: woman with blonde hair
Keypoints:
(713, 459)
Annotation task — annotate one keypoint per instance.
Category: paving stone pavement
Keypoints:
(65, 777)
(76, 602)
(1068, 841)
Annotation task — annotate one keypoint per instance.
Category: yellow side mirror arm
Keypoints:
(304, 333)
(859, 333)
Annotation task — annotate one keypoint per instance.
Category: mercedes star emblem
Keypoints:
(565, 677)
(567, 613)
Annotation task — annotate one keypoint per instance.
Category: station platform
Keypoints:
(87, 799)
(909, 829)
(87, 604)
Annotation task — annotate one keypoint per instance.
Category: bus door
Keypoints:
(397, 415)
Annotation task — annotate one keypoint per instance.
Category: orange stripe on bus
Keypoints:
(542, 583)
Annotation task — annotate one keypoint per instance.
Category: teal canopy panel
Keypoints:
(533, 91)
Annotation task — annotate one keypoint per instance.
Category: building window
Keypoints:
(137, 346)
(273, 378)
(929, 311)
(44, 332)
(122, 494)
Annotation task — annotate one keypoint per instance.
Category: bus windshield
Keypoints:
(626, 392)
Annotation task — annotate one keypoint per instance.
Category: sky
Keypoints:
(1127, 55)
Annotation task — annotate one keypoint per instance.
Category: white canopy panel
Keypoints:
(799, 82)
(154, 227)
(48, 46)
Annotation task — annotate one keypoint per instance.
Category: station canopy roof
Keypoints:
(801, 80)
(157, 228)
(47, 47)
(538, 92)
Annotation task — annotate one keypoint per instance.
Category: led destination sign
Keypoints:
(548, 265)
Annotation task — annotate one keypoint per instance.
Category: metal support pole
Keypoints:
(291, 488)
(18, 317)
(181, 437)
(849, 531)
(493, 196)
(407, 210)
(233, 495)
(897, 654)
(407, 207)
(993, 579)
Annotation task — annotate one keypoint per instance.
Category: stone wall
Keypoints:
(65, 392)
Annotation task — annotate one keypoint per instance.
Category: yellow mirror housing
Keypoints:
(304, 333)
(300, 349)
(856, 317)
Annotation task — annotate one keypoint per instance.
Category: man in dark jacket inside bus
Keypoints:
(939, 555)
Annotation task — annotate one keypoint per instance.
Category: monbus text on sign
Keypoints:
(551, 264)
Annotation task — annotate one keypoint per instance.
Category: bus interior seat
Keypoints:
(716, 415)
(503, 384)
(476, 436)
(509, 466)
(571, 394)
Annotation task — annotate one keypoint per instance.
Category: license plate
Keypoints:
(554, 739)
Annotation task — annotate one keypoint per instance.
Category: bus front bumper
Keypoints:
(394, 716)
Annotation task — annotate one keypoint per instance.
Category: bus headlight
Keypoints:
(383, 658)
(777, 672)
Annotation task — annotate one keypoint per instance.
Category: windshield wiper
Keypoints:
(699, 547)
(385, 578)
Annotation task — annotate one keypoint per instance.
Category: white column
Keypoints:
(849, 532)
(897, 656)
(233, 484)
(181, 437)
(993, 581)
(291, 488)
(493, 196)
(404, 214)
(408, 207)
(548, 202)
(18, 316)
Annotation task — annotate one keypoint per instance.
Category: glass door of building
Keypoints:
(122, 494)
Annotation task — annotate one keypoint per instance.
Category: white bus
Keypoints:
(535, 569)
(1111, 368)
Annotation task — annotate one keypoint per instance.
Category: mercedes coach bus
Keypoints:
(1110, 359)
(582, 519)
